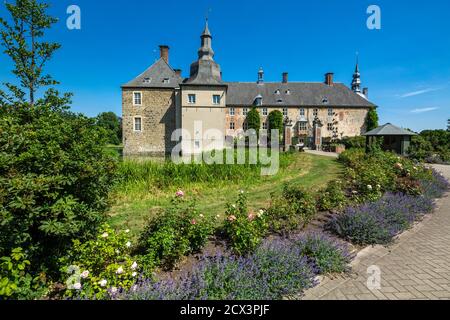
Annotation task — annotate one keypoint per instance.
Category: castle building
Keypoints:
(208, 109)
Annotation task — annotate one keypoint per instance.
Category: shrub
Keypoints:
(178, 231)
(328, 255)
(333, 197)
(294, 209)
(431, 146)
(15, 280)
(354, 142)
(253, 120)
(54, 181)
(275, 120)
(274, 271)
(98, 267)
(378, 222)
(244, 229)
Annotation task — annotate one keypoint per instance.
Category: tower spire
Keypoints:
(356, 82)
(206, 52)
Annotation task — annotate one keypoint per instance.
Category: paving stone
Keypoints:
(416, 266)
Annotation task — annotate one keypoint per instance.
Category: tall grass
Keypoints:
(166, 174)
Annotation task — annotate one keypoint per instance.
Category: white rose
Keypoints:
(127, 231)
(105, 235)
(128, 244)
(113, 290)
(103, 283)
(134, 274)
(84, 274)
(77, 286)
(119, 271)
(134, 266)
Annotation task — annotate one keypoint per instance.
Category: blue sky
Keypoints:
(406, 64)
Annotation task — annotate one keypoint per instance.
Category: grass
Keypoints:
(137, 200)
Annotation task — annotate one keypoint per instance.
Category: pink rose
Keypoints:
(251, 217)
(232, 218)
(193, 222)
(180, 194)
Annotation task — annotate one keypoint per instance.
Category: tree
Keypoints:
(372, 119)
(254, 120)
(276, 122)
(20, 37)
(55, 174)
(112, 124)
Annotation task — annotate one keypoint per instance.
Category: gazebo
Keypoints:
(394, 138)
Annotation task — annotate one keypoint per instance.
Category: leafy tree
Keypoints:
(112, 123)
(54, 171)
(254, 120)
(276, 121)
(20, 38)
(372, 119)
(431, 145)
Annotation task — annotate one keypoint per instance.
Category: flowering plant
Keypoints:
(179, 230)
(243, 228)
(96, 268)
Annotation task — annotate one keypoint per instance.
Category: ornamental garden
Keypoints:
(79, 222)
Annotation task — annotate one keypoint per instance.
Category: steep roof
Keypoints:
(154, 77)
(309, 94)
(389, 130)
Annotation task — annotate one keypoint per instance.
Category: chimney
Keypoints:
(164, 53)
(329, 78)
(366, 92)
(285, 77)
(178, 72)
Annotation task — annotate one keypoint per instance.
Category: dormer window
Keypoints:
(279, 100)
(147, 80)
(166, 80)
(288, 92)
(278, 92)
(325, 100)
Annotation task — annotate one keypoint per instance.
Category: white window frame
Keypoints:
(194, 100)
(134, 124)
(232, 125)
(265, 111)
(264, 125)
(303, 126)
(219, 99)
(245, 112)
(330, 126)
(330, 112)
(285, 112)
(232, 111)
(302, 112)
(134, 98)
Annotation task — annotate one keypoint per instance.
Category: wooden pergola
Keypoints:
(394, 138)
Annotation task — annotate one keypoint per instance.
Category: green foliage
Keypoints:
(112, 124)
(294, 209)
(100, 266)
(327, 255)
(372, 119)
(178, 231)
(431, 146)
(254, 120)
(333, 197)
(54, 180)
(275, 120)
(244, 229)
(21, 42)
(15, 280)
(369, 176)
(358, 142)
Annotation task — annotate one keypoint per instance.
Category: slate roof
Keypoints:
(389, 130)
(308, 94)
(205, 72)
(156, 74)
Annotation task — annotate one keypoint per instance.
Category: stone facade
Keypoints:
(158, 113)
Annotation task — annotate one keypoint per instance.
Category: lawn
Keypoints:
(135, 202)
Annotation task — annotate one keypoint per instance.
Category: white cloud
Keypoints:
(423, 110)
(419, 92)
